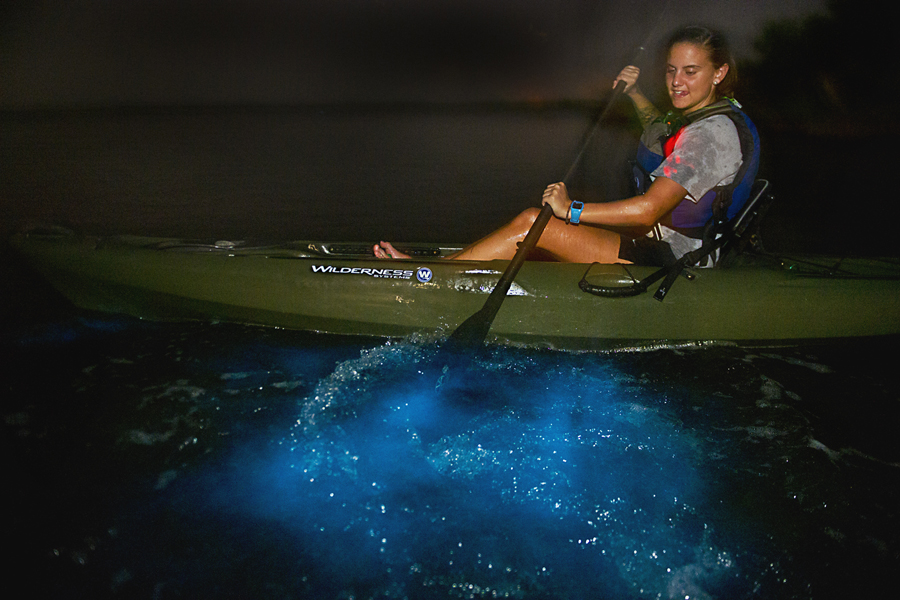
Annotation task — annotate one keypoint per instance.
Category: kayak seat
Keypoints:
(725, 240)
(742, 232)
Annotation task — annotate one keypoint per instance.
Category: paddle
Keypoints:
(473, 331)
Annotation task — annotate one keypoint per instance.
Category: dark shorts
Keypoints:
(646, 251)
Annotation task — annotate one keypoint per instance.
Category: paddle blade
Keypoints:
(473, 331)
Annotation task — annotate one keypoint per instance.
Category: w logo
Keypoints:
(424, 274)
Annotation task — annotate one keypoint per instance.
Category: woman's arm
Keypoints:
(638, 211)
(647, 113)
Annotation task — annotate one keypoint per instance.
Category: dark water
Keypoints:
(304, 173)
(212, 461)
(219, 461)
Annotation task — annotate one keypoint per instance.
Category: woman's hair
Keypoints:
(716, 46)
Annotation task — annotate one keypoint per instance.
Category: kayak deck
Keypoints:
(341, 288)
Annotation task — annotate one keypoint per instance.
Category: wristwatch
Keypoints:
(575, 212)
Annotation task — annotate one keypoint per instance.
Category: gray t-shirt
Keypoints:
(707, 154)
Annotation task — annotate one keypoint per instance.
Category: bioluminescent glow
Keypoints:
(217, 461)
(517, 481)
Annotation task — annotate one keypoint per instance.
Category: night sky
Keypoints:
(126, 52)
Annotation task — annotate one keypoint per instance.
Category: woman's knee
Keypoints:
(526, 218)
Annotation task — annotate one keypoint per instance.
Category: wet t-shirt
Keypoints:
(707, 154)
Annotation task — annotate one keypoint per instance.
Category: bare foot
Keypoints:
(386, 250)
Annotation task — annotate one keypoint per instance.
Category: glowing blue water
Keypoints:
(213, 461)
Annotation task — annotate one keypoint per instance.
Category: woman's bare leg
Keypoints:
(568, 243)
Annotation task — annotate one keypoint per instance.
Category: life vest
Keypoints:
(721, 202)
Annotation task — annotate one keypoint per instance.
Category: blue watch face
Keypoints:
(575, 211)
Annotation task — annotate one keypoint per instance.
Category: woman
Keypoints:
(706, 154)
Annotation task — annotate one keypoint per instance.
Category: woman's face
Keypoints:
(691, 77)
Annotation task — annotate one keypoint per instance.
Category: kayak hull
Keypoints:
(327, 288)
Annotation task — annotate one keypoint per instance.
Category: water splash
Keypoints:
(515, 489)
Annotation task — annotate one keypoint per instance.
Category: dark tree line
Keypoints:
(828, 73)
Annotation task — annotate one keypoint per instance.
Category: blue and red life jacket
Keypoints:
(721, 202)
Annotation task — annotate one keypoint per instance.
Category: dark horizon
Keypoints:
(234, 52)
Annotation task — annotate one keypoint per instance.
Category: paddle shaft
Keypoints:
(617, 91)
(474, 330)
(502, 288)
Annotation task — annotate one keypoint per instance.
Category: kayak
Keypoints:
(341, 288)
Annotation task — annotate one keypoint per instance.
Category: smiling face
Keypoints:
(691, 77)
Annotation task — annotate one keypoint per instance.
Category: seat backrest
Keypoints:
(743, 230)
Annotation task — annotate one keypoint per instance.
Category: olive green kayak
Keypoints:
(341, 288)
